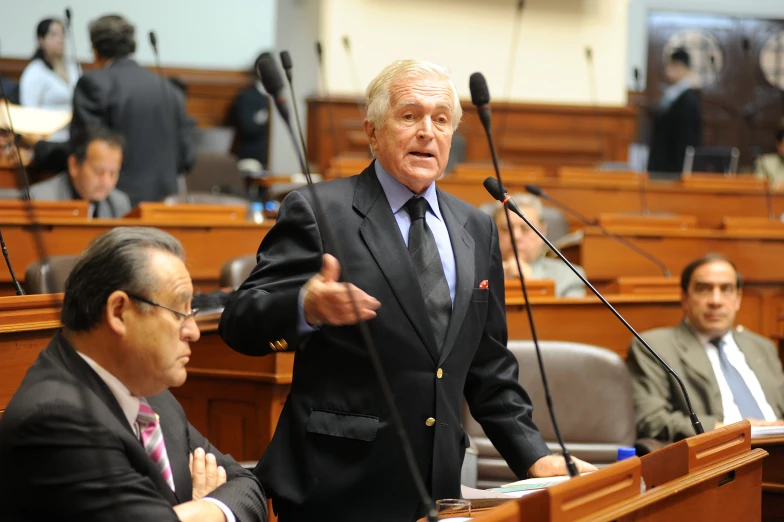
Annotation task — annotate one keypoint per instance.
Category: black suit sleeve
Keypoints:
(186, 126)
(688, 128)
(70, 467)
(242, 492)
(89, 105)
(492, 390)
(265, 307)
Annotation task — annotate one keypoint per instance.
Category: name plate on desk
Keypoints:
(188, 212)
(736, 223)
(43, 210)
(535, 287)
(511, 173)
(586, 176)
(646, 285)
(717, 182)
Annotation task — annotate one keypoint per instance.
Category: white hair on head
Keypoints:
(523, 200)
(377, 94)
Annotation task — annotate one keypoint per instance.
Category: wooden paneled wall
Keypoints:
(548, 135)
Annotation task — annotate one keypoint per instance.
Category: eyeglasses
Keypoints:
(181, 315)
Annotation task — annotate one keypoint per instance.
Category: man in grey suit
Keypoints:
(730, 374)
(93, 170)
(530, 249)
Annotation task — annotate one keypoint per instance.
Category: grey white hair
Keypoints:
(523, 200)
(377, 94)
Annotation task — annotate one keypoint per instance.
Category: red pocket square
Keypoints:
(483, 285)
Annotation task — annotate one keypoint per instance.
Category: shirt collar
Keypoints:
(128, 403)
(398, 194)
(704, 339)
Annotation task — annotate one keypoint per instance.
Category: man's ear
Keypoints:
(116, 312)
(370, 132)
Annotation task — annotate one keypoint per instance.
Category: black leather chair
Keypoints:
(48, 275)
(236, 270)
(592, 395)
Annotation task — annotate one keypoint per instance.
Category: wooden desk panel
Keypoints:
(710, 206)
(207, 245)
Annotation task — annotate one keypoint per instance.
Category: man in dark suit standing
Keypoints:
(678, 118)
(147, 110)
(427, 276)
(92, 434)
(93, 171)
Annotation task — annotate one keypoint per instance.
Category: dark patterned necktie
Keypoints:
(747, 404)
(430, 272)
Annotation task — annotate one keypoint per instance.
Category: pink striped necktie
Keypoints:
(152, 440)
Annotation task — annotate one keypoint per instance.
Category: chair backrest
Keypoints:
(216, 140)
(592, 396)
(48, 275)
(237, 270)
(216, 173)
(206, 198)
(721, 160)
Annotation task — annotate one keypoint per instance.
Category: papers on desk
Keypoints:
(524, 487)
(32, 120)
(766, 431)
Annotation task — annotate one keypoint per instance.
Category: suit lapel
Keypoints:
(178, 459)
(390, 253)
(698, 366)
(463, 248)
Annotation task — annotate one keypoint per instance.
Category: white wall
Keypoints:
(474, 35)
(638, 21)
(297, 32)
(191, 33)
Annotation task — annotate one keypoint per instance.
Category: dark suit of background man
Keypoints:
(92, 434)
(128, 98)
(730, 374)
(678, 118)
(93, 171)
(436, 316)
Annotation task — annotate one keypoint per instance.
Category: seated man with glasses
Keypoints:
(92, 433)
(730, 373)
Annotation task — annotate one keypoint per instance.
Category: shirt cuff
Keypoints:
(303, 328)
(223, 507)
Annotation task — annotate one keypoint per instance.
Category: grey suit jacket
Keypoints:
(659, 403)
(566, 283)
(59, 188)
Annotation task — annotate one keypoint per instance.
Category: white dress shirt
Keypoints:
(738, 360)
(130, 407)
(39, 86)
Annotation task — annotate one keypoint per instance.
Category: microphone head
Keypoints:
(520, 5)
(153, 40)
(68, 15)
(269, 75)
(319, 51)
(480, 95)
(536, 190)
(746, 45)
(636, 73)
(285, 60)
(494, 188)
(588, 53)
(346, 42)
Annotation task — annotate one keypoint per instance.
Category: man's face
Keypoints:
(413, 143)
(712, 299)
(529, 245)
(97, 175)
(156, 340)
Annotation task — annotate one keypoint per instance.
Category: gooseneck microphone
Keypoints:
(274, 80)
(594, 94)
(352, 64)
(499, 193)
(537, 191)
(480, 97)
(72, 38)
(510, 70)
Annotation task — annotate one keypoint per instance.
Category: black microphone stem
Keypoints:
(571, 467)
(73, 40)
(510, 68)
(698, 429)
(594, 93)
(364, 330)
(607, 233)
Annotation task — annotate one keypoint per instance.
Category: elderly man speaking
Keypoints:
(427, 276)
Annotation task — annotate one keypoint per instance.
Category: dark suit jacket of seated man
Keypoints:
(93, 171)
(699, 350)
(437, 320)
(73, 442)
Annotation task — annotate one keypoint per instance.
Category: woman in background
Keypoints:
(48, 80)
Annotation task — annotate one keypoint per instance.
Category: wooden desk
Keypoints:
(592, 195)
(208, 244)
(772, 477)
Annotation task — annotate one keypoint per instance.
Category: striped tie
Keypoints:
(152, 440)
